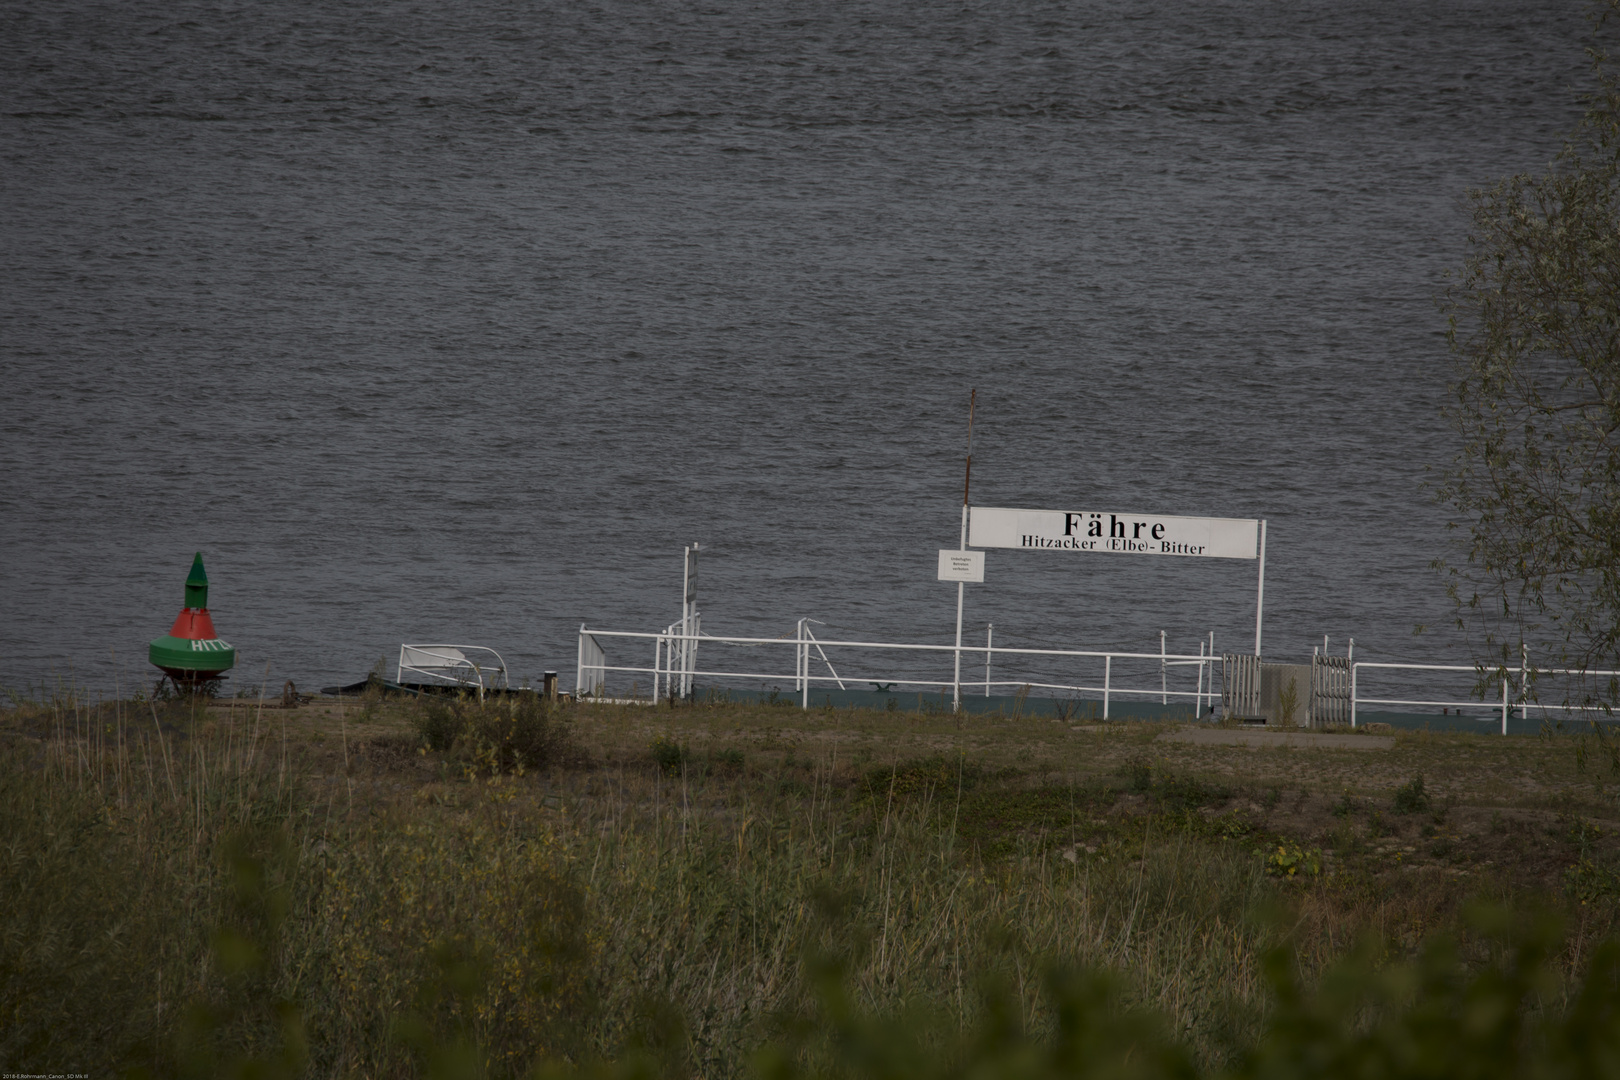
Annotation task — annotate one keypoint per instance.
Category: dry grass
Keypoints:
(670, 897)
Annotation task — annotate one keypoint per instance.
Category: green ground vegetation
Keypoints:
(391, 888)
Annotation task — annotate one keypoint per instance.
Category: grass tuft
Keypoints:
(1410, 797)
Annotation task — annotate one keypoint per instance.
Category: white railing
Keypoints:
(590, 677)
(674, 667)
(679, 657)
(1523, 700)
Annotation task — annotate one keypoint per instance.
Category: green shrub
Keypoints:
(1291, 860)
(669, 754)
(1139, 771)
(1589, 881)
(928, 777)
(1287, 703)
(1410, 797)
(1189, 791)
(513, 735)
(500, 734)
(1176, 790)
(439, 723)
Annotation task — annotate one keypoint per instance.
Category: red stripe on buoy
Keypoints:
(193, 624)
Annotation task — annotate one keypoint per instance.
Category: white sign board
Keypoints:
(961, 565)
(1089, 530)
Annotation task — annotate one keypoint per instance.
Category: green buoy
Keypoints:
(192, 653)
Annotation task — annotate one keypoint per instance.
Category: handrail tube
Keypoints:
(1188, 657)
(1514, 670)
(1475, 703)
(627, 670)
(1079, 687)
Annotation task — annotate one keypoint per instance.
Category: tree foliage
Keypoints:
(1535, 331)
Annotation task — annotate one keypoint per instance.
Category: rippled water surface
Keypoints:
(455, 322)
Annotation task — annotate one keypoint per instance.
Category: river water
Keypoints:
(456, 322)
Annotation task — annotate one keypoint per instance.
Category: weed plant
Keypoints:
(508, 734)
(668, 753)
(1410, 798)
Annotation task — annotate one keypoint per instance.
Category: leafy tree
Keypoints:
(1535, 330)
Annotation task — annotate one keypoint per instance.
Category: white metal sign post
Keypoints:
(688, 619)
(960, 567)
(1259, 590)
(1126, 534)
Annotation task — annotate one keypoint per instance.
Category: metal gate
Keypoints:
(1240, 685)
(590, 677)
(1330, 690)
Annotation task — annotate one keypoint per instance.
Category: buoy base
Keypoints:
(190, 657)
(184, 684)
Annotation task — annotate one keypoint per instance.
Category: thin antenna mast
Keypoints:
(961, 587)
(967, 474)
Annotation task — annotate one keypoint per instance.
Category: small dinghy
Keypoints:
(439, 669)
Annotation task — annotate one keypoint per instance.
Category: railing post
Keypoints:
(956, 670)
(1504, 698)
(1353, 669)
(1108, 670)
(1211, 690)
(579, 663)
(1164, 686)
(989, 634)
(1198, 689)
(658, 655)
(804, 665)
(1524, 680)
